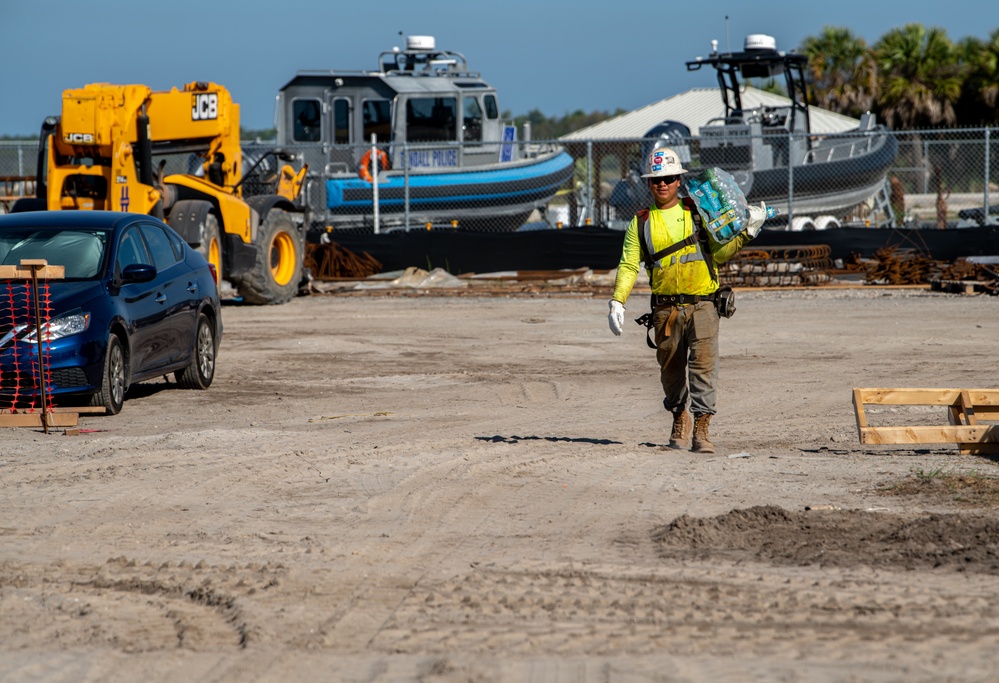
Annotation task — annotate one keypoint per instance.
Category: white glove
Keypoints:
(757, 214)
(616, 317)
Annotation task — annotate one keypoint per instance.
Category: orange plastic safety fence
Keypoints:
(21, 378)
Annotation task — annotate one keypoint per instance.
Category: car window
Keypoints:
(131, 249)
(159, 245)
(177, 242)
(80, 251)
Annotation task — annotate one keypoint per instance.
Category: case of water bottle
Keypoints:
(720, 201)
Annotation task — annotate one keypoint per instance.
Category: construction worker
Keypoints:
(683, 275)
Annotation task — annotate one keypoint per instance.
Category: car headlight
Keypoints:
(63, 326)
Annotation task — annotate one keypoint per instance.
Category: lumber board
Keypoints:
(930, 397)
(35, 420)
(930, 434)
(25, 272)
(94, 410)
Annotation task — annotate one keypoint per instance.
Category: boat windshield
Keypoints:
(430, 119)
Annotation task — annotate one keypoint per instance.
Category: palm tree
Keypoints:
(980, 92)
(841, 71)
(920, 85)
(920, 77)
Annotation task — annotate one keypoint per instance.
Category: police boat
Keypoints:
(417, 143)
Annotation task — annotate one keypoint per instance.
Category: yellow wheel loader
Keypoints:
(99, 155)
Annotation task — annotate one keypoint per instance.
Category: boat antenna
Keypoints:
(728, 47)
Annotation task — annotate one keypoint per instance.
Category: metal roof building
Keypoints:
(695, 108)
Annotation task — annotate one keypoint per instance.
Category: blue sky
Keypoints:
(553, 55)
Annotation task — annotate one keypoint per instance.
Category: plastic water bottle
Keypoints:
(772, 211)
(720, 201)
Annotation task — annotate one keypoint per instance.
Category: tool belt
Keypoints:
(723, 299)
(660, 300)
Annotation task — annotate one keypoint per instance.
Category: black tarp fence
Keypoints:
(460, 252)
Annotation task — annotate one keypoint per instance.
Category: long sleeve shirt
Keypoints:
(682, 272)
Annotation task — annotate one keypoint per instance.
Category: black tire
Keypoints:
(114, 378)
(277, 268)
(211, 243)
(200, 373)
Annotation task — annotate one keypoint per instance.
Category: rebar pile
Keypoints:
(331, 261)
(967, 276)
(788, 266)
(892, 266)
(963, 270)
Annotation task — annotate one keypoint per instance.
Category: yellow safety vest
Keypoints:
(685, 271)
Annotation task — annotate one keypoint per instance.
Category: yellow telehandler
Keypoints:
(99, 155)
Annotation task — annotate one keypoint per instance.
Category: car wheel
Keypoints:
(200, 373)
(112, 392)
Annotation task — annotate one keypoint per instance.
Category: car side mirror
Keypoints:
(138, 272)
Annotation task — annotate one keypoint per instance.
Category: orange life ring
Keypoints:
(364, 168)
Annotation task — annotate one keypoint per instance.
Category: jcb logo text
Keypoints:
(205, 106)
(78, 138)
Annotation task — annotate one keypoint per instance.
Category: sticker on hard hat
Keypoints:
(659, 158)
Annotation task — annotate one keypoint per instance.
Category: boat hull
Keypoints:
(831, 187)
(492, 198)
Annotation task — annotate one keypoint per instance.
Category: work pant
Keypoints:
(687, 351)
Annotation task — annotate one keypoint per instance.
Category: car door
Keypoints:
(143, 314)
(171, 339)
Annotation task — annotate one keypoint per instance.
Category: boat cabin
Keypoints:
(421, 96)
(757, 138)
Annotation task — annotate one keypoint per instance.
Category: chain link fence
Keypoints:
(938, 178)
(493, 187)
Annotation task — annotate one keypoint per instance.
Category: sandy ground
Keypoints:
(444, 488)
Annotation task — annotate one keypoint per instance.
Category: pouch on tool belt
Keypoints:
(725, 302)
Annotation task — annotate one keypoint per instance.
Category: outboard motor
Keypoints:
(630, 194)
(672, 134)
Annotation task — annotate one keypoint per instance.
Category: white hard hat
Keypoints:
(663, 162)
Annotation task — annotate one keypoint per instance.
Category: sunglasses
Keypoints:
(669, 180)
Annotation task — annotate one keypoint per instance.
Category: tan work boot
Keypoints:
(701, 442)
(679, 437)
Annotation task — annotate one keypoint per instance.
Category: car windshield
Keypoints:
(80, 251)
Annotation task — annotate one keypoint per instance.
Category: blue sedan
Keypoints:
(136, 303)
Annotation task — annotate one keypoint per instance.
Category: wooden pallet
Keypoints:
(55, 417)
(965, 407)
(964, 286)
